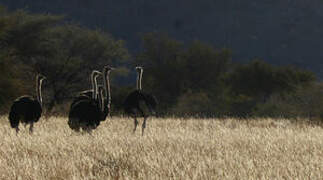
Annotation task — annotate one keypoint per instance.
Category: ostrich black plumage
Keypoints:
(86, 114)
(27, 109)
(134, 99)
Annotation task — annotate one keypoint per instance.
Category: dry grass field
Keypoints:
(170, 149)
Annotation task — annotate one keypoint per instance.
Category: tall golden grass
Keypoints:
(170, 149)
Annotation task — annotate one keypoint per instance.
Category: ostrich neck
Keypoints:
(139, 78)
(38, 90)
(94, 85)
(95, 90)
(105, 83)
(107, 88)
(101, 99)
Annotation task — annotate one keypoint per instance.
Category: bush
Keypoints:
(194, 104)
(306, 102)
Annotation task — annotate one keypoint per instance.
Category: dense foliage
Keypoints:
(198, 79)
(64, 53)
(188, 79)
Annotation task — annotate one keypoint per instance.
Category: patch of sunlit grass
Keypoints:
(170, 149)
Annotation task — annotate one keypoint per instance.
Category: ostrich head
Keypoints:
(139, 69)
(41, 77)
(107, 69)
(95, 73)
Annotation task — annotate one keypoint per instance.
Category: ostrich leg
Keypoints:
(31, 128)
(88, 130)
(136, 123)
(144, 125)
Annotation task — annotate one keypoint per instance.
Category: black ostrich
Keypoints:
(86, 101)
(134, 99)
(87, 113)
(27, 109)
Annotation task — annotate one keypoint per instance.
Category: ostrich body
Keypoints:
(86, 114)
(134, 99)
(27, 109)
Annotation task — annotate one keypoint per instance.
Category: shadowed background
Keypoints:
(280, 32)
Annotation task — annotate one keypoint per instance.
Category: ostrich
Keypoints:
(27, 109)
(89, 96)
(87, 113)
(133, 100)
